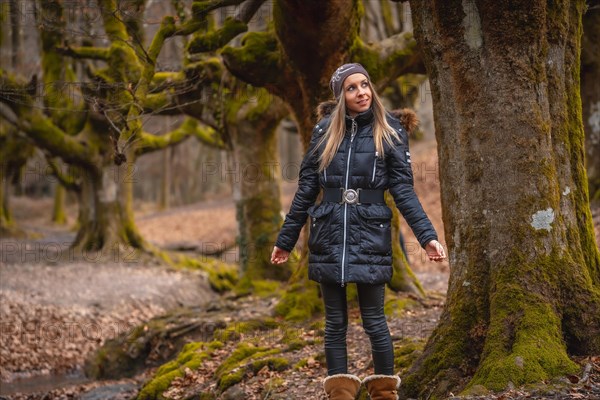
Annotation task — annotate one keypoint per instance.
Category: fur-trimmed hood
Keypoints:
(406, 116)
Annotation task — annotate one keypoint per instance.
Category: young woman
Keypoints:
(355, 154)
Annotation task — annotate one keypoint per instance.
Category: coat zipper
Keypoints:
(325, 174)
(374, 165)
(352, 133)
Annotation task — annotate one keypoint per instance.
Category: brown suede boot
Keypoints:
(382, 387)
(341, 386)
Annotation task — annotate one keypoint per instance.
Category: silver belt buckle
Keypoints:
(350, 196)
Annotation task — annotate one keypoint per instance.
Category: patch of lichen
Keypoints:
(191, 356)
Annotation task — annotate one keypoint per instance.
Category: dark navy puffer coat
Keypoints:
(352, 242)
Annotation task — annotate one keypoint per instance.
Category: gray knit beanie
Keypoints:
(340, 74)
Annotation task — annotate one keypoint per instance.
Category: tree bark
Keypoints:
(525, 268)
(58, 211)
(106, 219)
(252, 125)
(590, 94)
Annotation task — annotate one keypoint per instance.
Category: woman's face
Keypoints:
(357, 93)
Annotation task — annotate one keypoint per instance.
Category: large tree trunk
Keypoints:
(106, 223)
(525, 268)
(590, 94)
(257, 179)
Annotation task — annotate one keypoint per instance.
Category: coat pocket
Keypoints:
(376, 232)
(319, 238)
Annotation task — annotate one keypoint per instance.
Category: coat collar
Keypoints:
(363, 118)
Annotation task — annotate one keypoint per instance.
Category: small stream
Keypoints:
(42, 383)
(46, 383)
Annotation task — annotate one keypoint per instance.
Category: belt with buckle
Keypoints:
(353, 196)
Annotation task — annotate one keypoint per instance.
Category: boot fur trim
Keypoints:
(349, 376)
(373, 377)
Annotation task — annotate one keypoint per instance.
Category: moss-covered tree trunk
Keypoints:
(590, 94)
(525, 269)
(106, 220)
(14, 152)
(403, 278)
(5, 217)
(58, 210)
(252, 126)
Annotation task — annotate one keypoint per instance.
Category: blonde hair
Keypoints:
(337, 129)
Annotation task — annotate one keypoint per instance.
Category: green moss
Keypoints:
(191, 356)
(370, 57)
(273, 363)
(300, 302)
(406, 352)
(259, 57)
(247, 358)
(216, 39)
(231, 378)
(234, 331)
(242, 352)
(537, 351)
(296, 344)
(58, 212)
(262, 287)
(124, 66)
(395, 306)
(301, 364)
(293, 337)
(222, 277)
(318, 326)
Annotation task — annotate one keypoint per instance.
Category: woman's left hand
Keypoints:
(435, 251)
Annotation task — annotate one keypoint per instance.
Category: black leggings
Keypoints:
(370, 299)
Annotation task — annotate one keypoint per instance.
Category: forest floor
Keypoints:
(53, 315)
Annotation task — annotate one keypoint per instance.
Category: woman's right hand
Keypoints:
(279, 256)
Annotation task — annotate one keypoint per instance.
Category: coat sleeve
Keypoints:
(402, 190)
(306, 195)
